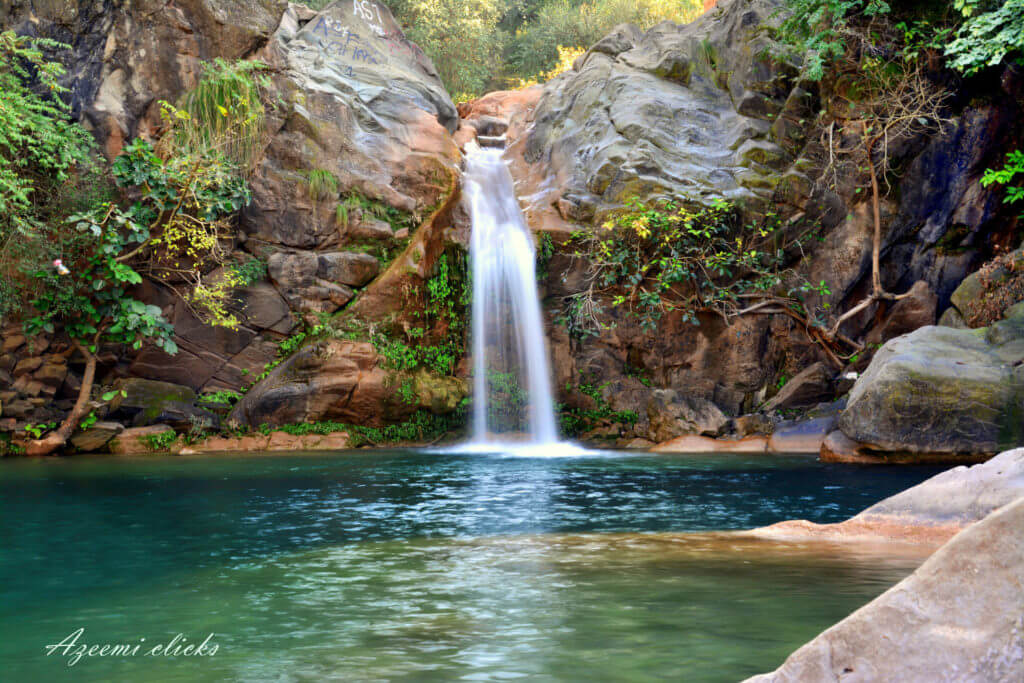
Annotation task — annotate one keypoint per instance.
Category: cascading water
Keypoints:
(508, 333)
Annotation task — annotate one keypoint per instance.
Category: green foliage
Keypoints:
(1006, 175)
(88, 421)
(37, 430)
(7, 447)
(249, 271)
(481, 45)
(227, 110)
(460, 36)
(407, 392)
(533, 48)
(39, 145)
(225, 397)
(176, 219)
(655, 260)
(355, 202)
(322, 185)
(817, 29)
(992, 32)
(987, 32)
(575, 422)
(161, 442)
(421, 426)
(545, 250)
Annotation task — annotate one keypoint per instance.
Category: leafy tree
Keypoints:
(818, 30)
(462, 39)
(39, 149)
(533, 50)
(1006, 175)
(479, 45)
(987, 37)
(171, 223)
(674, 257)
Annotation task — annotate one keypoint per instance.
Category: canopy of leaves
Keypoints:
(987, 32)
(532, 48)
(652, 260)
(988, 37)
(170, 229)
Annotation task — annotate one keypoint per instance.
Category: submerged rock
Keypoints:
(957, 618)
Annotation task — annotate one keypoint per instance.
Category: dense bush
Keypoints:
(653, 260)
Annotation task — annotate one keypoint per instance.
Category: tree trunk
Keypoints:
(57, 439)
(876, 246)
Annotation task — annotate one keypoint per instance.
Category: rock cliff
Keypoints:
(356, 197)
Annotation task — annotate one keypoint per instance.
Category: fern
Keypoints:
(228, 107)
(322, 184)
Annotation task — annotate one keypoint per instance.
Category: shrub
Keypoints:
(654, 260)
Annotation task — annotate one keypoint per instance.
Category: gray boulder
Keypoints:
(671, 415)
(809, 387)
(957, 618)
(943, 390)
(359, 101)
(296, 276)
(347, 268)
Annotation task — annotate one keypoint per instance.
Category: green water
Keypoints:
(418, 566)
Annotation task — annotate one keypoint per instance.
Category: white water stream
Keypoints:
(508, 331)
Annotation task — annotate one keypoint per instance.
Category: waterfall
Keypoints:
(510, 360)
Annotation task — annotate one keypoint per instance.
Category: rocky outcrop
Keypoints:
(275, 441)
(930, 513)
(127, 56)
(362, 104)
(349, 99)
(671, 415)
(943, 391)
(341, 381)
(699, 111)
(957, 618)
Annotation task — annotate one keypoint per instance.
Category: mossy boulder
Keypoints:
(142, 402)
(943, 390)
(439, 394)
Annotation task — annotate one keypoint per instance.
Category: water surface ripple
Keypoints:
(418, 566)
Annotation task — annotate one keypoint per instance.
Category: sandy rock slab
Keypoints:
(276, 441)
(931, 512)
(959, 617)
